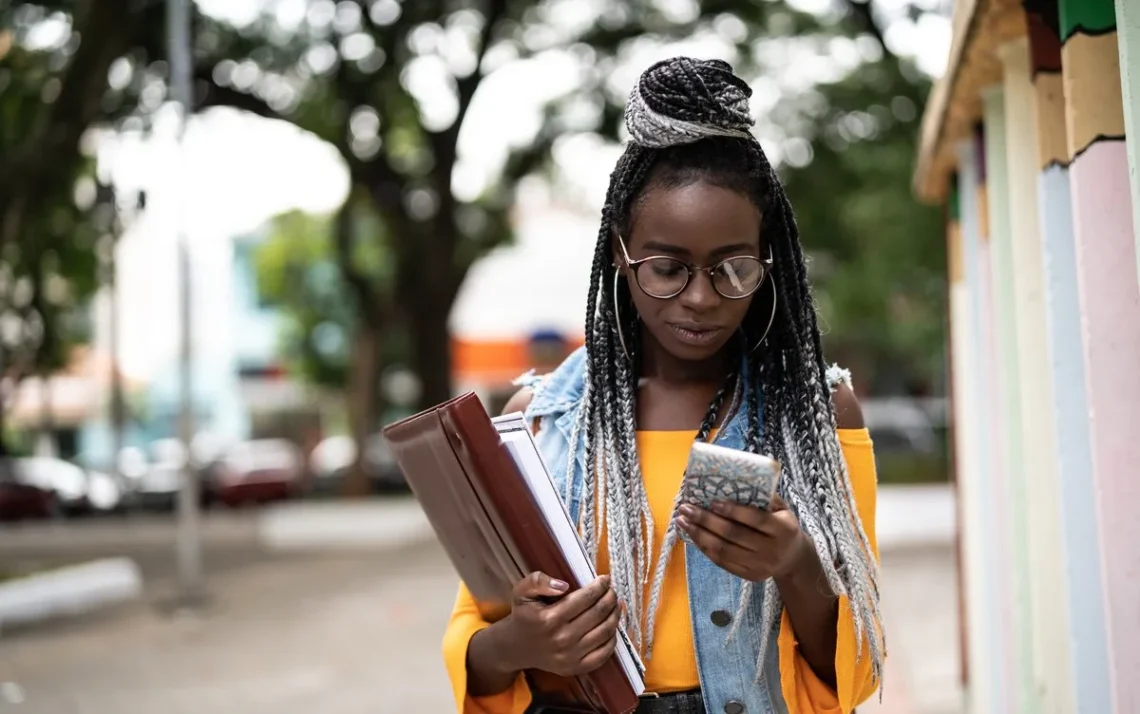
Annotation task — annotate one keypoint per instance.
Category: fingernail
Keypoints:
(719, 507)
(683, 522)
(558, 584)
(686, 509)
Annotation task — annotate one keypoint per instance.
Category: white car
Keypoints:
(78, 490)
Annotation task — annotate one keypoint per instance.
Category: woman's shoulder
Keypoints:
(519, 401)
(848, 413)
(555, 391)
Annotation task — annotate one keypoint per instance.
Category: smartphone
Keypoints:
(717, 473)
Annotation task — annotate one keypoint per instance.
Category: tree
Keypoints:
(350, 73)
(59, 88)
(334, 340)
(48, 259)
(878, 259)
(346, 73)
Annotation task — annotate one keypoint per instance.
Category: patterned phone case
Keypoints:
(717, 473)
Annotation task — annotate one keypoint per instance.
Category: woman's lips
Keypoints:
(696, 335)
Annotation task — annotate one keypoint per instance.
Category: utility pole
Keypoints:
(117, 411)
(108, 245)
(107, 195)
(189, 537)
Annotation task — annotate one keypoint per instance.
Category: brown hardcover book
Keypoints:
(494, 532)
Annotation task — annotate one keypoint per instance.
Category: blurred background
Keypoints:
(239, 236)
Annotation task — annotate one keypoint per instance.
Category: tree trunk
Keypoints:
(4, 453)
(431, 345)
(361, 397)
(118, 405)
(46, 445)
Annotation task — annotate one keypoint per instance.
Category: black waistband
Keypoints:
(689, 702)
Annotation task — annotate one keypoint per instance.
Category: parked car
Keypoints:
(333, 457)
(258, 471)
(156, 487)
(78, 490)
(20, 500)
(910, 439)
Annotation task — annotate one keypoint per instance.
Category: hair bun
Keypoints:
(682, 100)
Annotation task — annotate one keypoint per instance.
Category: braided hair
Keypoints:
(689, 120)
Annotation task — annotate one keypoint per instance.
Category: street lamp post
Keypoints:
(189, 539)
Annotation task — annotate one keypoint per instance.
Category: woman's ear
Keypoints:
(617, 257)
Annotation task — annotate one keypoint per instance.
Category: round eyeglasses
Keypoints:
(664, 277)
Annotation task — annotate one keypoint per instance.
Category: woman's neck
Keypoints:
(658, 364)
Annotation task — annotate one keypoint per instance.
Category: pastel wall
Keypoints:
(1109, 296)
(1010, 466)
(1088, 649)
(1040, 494)
(1128, 37)
(987, 647)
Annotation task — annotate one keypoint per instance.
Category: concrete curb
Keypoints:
(69, 591)
(291, 527)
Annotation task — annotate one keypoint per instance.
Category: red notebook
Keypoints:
(490, 524)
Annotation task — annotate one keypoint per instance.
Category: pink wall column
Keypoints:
(1109, 297)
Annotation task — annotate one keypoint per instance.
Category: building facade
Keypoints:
(1029, 143)
(524, 306)
(240, 390)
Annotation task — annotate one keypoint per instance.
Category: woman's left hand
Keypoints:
(748, 542)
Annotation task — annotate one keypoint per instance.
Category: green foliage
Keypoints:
(879, 258)
(49, 267)
(342, 72)
(297, 274)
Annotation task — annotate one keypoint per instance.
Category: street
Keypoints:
(354, 632)
(328, 633)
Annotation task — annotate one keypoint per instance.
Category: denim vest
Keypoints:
(727, 667)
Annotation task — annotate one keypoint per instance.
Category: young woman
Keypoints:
(700, 325)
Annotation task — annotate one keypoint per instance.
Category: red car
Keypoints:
(258, 472)
(23, 500)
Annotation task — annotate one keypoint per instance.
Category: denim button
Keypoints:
(734, 707)
(720, 618)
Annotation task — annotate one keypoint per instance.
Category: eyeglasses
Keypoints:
(666, 277)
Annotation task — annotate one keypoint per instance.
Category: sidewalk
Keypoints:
(916, 527)
(81, 566)
(920, 608)
(356, 628)
(348, 633)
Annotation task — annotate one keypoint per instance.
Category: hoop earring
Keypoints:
(617, 319)
(771, 319)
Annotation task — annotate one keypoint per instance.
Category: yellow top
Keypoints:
(663, 457)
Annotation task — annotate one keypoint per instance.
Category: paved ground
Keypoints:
(356, 633)
(229, 540)
(341, 634)
(921, 610)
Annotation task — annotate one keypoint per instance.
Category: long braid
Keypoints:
(689, 121)
(829, 517)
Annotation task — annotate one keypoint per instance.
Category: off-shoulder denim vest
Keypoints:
(727, 666)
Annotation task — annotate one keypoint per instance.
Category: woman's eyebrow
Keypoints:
(678, 250)
(665, 248)
(735, 248)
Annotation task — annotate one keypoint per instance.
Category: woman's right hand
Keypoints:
(552, 631)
